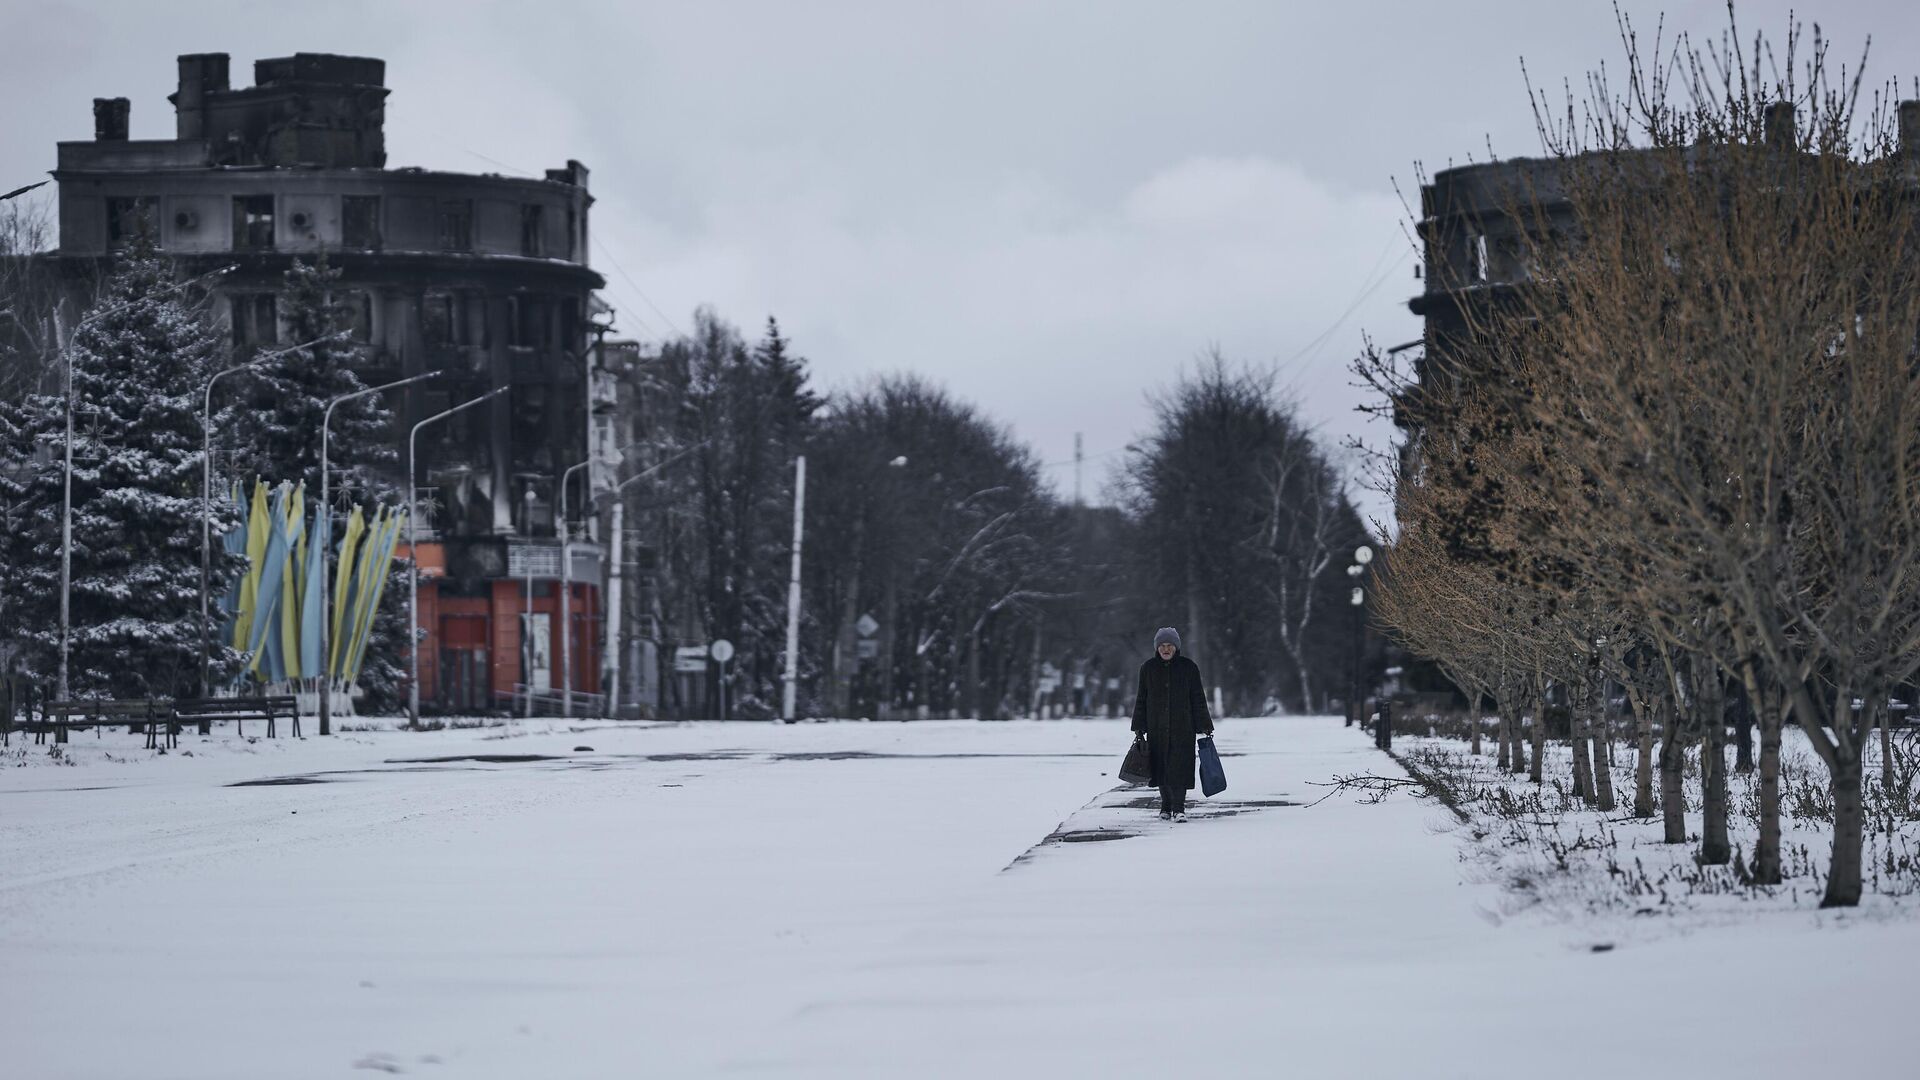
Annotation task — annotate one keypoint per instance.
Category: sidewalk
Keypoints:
(1270, 939)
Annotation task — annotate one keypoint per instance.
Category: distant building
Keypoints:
(1474, 250)
(482, 277)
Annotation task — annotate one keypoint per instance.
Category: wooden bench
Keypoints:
(136, 713)
(205, 711)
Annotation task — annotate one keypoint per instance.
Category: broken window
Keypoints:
(358, 307)
(360, 222)
(253, 223)
(456, 224)
(436, 319)
(131, 216)
(454, 318)
(533, 220)
(570, 323)
(256, 319)
(528, 322)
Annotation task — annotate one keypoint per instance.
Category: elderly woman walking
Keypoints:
(1170, 709)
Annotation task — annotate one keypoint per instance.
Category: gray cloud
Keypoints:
(1049, 206)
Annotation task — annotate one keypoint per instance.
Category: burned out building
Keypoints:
(1473, 245)
(483, 279)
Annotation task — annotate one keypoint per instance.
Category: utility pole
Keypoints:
(1079, 459)
(616, 554)
(789, 692)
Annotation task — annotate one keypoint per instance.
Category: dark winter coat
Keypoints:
(1170, 708)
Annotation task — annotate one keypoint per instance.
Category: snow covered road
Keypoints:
(835, 900)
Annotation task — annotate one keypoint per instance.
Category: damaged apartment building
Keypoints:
(482, 278)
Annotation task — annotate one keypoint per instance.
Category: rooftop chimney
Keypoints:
(1910, 130)
(1778, 125)
(110, 119)
(200, 74)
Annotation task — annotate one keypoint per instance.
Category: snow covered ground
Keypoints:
(835, 900)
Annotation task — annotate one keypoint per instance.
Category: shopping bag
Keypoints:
(1213, 779)
(1137, 767)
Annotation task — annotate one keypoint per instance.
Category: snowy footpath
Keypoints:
(844, 900)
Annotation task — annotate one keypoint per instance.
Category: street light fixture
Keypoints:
(566, 576)
(413, 553)
(526, 623)
(1362, 555)
(326, 508)
(206, 504)
(616, 551)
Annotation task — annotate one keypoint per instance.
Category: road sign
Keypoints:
(690, 659)
(867, 626)
(721, 650)
(866, 649)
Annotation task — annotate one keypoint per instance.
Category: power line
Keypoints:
(636, 288)
(1371, 286)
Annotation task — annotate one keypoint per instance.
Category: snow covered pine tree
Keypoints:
(140, 357)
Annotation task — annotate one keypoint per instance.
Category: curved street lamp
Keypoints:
(326, 593)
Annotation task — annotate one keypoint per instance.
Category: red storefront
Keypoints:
(482, 646)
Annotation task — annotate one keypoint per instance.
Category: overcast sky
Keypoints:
(1049, 207)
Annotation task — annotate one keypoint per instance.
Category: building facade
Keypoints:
(481, 279)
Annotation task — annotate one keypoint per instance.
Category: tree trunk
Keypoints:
(1716, 849)
(972, 697)
(1643, 758)
(1743, 735)
(1885, 717)
(1673, 757)
(1505, 737)
(1602, 746)
(1582, 766)
(1843, 872)
(1766, 851)
(1515, 727)
(1473, 717)
(1539, 737)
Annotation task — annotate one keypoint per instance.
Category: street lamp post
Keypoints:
(1362, 555)
(326, 509)
(206, 523)
(526, 622)
(616, 551)
(206, 505)
(413, 554)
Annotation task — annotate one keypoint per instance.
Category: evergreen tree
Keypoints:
(281, 433)
(140, 360)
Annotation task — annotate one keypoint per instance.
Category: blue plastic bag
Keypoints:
(1213, 779)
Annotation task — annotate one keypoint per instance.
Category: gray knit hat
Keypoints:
(1166, 635)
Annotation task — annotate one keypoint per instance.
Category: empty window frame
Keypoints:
(533, 225)
(360, 222)
(253, 223)
(456, 224)
(256, 319)
(130, 216)
(358, 308)
(454, 318)
(529, 321)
